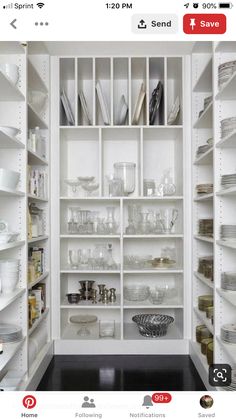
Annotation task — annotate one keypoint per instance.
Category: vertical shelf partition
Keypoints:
(92, 151)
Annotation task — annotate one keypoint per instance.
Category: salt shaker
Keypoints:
(112, 297)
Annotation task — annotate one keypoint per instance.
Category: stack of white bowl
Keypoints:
(11, 71)
(9, 275)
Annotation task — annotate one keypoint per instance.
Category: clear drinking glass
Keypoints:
(126, 172)
(106, 328)
(74, 258)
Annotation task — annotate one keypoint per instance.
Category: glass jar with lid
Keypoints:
(126, 172)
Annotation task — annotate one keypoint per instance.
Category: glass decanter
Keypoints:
(167, 184)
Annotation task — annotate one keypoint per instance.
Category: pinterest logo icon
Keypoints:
(29, 402)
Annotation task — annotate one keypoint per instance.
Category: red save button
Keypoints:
(204, 24)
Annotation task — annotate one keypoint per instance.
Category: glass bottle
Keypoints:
(169, 187)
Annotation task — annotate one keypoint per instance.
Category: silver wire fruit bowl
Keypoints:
(152, 325)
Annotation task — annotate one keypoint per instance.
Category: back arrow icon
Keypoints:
(13, 23)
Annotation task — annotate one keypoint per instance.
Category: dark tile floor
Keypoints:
(121, 373)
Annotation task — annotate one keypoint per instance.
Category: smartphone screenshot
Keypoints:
(117, 209)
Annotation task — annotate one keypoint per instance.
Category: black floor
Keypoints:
(121, 373)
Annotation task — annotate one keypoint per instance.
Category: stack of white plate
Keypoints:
(228, 125)
(9, 275)
(228, 333)
(232, 386)
(228, 281)
(207, 101)
(202, 149)
(9, 333)
(225, 71)
(228, 180)
(228, 232)
(204, 188)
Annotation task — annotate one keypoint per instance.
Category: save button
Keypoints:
(204, 24)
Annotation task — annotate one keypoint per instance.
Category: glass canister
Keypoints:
(126, 172)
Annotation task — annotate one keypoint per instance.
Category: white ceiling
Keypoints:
(113, 48)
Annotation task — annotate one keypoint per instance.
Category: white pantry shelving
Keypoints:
(15, 112)
(219, 205)
(97, 147)
(91, 148)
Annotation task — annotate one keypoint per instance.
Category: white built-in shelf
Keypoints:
(70, 333)
(204, 82)
(39, 359)
(37, 239)
(6, 141)
(9, 92)
(37, 280)
(10, 192)
(35, 120)
(226, 46)
(228, 91)
(89, 305)
(206, 158)
(203, 318)
(35, 82)
(90, 236)
(227, 243)
(205, 281)
(38, 321)
(205, 197)
(7, 299)
(205, 120)
(35, 159)
(36, 198)
(167, 304)
(153, 236)
(227, 295)
(88, 271)
(154, 271)
(134, 198)
(9, 350)
(227, 191)
(12, 245)
(120, 127)
(201, 358)
(204, 238)
(229, 348)
(131, 333)
(229, 141)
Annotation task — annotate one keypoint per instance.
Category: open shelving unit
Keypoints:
(220, 205)
(97, 147)
(91, 148)
(14, 203)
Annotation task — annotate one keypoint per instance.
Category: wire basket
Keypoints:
(152, 325)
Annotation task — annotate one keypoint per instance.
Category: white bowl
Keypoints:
(8, 286)
(8, 237)
(11, 131)
(11, 71)
(37, 99)
(9, 179)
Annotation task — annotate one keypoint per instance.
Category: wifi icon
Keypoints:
(40, 5)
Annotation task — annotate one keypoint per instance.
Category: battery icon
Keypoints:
(225, 5)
